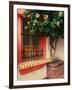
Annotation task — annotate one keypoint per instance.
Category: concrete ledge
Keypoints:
(32, 63)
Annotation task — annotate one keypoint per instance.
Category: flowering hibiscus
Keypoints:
(37, 15)
(58, 23)
(60, 13)
(45, 17)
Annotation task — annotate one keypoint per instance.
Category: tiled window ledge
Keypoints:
(32, 63)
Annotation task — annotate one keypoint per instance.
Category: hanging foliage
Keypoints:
(47, 23)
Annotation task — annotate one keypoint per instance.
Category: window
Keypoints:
(30, 44)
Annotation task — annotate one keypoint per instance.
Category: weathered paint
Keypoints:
(30, 69)
(47, 48)
(36, 74)
(60, 49)
(19, 28)
(42, 45)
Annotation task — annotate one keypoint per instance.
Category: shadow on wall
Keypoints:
(60, 49)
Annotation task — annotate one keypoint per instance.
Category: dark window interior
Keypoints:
(30, 47)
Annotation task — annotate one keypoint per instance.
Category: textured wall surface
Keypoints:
(59, 49)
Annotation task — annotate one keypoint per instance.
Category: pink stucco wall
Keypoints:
(42, 40)
(19, 27)
(42, 46)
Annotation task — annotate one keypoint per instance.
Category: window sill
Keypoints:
(28, 64)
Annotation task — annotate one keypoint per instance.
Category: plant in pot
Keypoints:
(49, 24)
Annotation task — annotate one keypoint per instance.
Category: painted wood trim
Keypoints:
(32, 63)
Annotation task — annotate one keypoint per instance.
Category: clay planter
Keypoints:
(55, 69)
